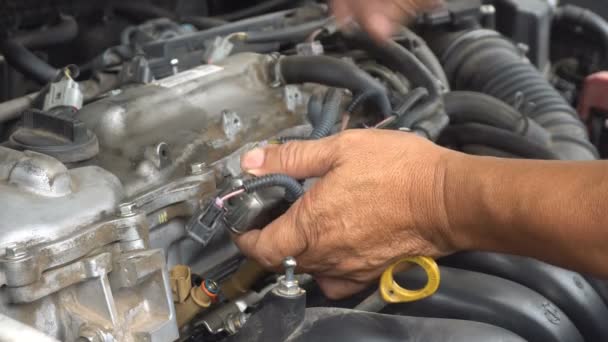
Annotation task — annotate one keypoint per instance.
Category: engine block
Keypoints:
(87, 246)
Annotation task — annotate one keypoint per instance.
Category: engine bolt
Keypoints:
(487, 9)
(15, 251)
(211, 286)
(288, 284)
(290, 265)
(127, 209)
(197, 168)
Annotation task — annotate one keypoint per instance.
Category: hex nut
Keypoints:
(127, 209)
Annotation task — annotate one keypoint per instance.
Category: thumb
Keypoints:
(298, 159)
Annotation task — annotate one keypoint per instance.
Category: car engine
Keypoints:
(122, 125)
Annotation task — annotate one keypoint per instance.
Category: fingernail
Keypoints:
(253, 159)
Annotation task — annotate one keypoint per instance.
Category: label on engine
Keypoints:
(189, 75)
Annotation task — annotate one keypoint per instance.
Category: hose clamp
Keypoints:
(276, 76)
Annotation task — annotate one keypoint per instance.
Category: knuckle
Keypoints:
(267, 257)
(288, 155)
(306, 222)
(346, 140)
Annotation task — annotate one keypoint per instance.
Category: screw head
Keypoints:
(288, 285)
(211, 286)
(197, 168)
(290, 262)
(127, 209)
(15, 251)
(487, 9)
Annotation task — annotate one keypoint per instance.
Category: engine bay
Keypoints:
(122, 125)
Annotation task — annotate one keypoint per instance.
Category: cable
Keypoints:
(293, 189)
(220, 201)
(329, 114)
(358, 100)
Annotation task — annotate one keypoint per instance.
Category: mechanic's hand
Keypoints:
(379, 198)
(380, 17)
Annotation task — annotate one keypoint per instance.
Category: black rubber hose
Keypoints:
(600, 286)
(484, 298)
(27, 63)
(466, 107)
(295, 33)
(403, 61)
(335, 324)
(293, 189)
(329, 114)
(432, 126)
(410, 100)
(566, 289)
(478, 134)
(17, 54)
(426, 56)
(65, 31)
(254, 10)
(396, 81)
(420, 113)
(587, 19)
(334, 72)
(484, 61)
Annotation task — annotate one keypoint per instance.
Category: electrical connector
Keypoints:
(206, 222)
(314, 48)
(64, 93)
(222, 47)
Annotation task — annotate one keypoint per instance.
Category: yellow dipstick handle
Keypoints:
(391, 292)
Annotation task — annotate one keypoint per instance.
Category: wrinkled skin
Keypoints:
(379, 17)
(371, 205)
